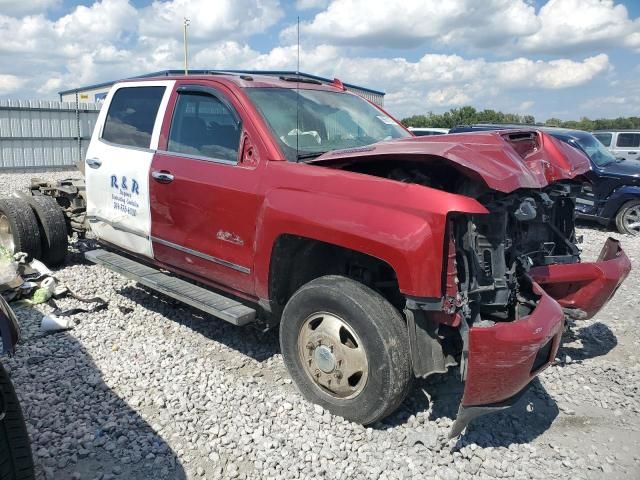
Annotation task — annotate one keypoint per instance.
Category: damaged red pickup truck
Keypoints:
(381, 256)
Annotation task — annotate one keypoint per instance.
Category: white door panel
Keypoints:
(117, 178)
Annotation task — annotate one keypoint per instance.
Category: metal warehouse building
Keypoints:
(98, 92)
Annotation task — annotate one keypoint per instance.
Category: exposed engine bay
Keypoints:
(488, 257)
(493, 253)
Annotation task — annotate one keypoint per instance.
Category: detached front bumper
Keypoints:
(503, 358)
(586, 287)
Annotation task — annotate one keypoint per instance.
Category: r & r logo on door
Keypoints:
(123, 184)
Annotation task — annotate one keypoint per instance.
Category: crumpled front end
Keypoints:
(511, 278)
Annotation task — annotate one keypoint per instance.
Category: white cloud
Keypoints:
(561, 73)
(18, 8)
(580, 24)
(51, 86)
(309, 4)
(624, 103)
(210, 21)
(499, 25)
(111, 39)
(432, 81)
(82, 30)
(450, 80)
(525, 106)
(407, 23)
(448, 96)
(9, 83)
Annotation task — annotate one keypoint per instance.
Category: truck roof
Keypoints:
(248, 80)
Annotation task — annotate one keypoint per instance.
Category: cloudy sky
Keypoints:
(560, 58)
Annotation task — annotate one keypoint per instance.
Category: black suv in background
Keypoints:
(614, 193)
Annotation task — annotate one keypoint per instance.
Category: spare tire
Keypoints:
(53, 229)
(16, 462)
(19, 230)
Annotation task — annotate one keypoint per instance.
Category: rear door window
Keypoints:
(204, 126)
(605, 138)
(132, 115)
(628, 140)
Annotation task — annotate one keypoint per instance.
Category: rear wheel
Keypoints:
(346, 348)
(53, 229)
(19, 227)
(16, 462)
(628, 218)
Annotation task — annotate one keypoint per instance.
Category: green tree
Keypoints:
(468, 115)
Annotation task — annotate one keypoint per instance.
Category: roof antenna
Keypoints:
(298, 94)
(186, 45)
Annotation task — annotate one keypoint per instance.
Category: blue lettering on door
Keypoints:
(123, 196)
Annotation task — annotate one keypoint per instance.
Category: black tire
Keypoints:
(382, 332)
(16, 462)
(24, 226)
(620, 217)
(53, 229)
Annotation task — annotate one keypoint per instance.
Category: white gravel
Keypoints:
(151, 388)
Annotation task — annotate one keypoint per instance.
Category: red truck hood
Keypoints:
(506, 160)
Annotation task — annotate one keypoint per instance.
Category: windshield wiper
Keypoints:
(302, 156)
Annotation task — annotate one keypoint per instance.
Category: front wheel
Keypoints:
(628, 218)
(346, 348)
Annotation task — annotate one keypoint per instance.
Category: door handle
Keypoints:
(162, 176)
(94, 162)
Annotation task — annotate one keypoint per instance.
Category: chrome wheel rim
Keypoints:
(333, 356)
(631, 220)
(6, 235)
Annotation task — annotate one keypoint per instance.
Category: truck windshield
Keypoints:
(308, 123)
(597, 152)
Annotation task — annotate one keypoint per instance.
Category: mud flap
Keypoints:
(585, 287)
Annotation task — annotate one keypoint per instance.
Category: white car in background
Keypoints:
(424, 132)
(624, 144)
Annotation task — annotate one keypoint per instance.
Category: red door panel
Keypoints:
(203, 221)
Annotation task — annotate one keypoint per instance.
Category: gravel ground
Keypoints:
(151, 387)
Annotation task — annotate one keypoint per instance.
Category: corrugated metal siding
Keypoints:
(44, 133)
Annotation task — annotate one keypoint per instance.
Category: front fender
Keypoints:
(410, 240)
(618, 198)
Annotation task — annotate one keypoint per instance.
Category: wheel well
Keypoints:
(298, 260)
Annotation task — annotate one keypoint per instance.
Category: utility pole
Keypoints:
(186, 46)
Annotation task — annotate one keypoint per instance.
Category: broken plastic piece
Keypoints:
(52, 323)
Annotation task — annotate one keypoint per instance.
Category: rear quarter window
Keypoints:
(628, 140)
(605, 138)
(132, 115)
